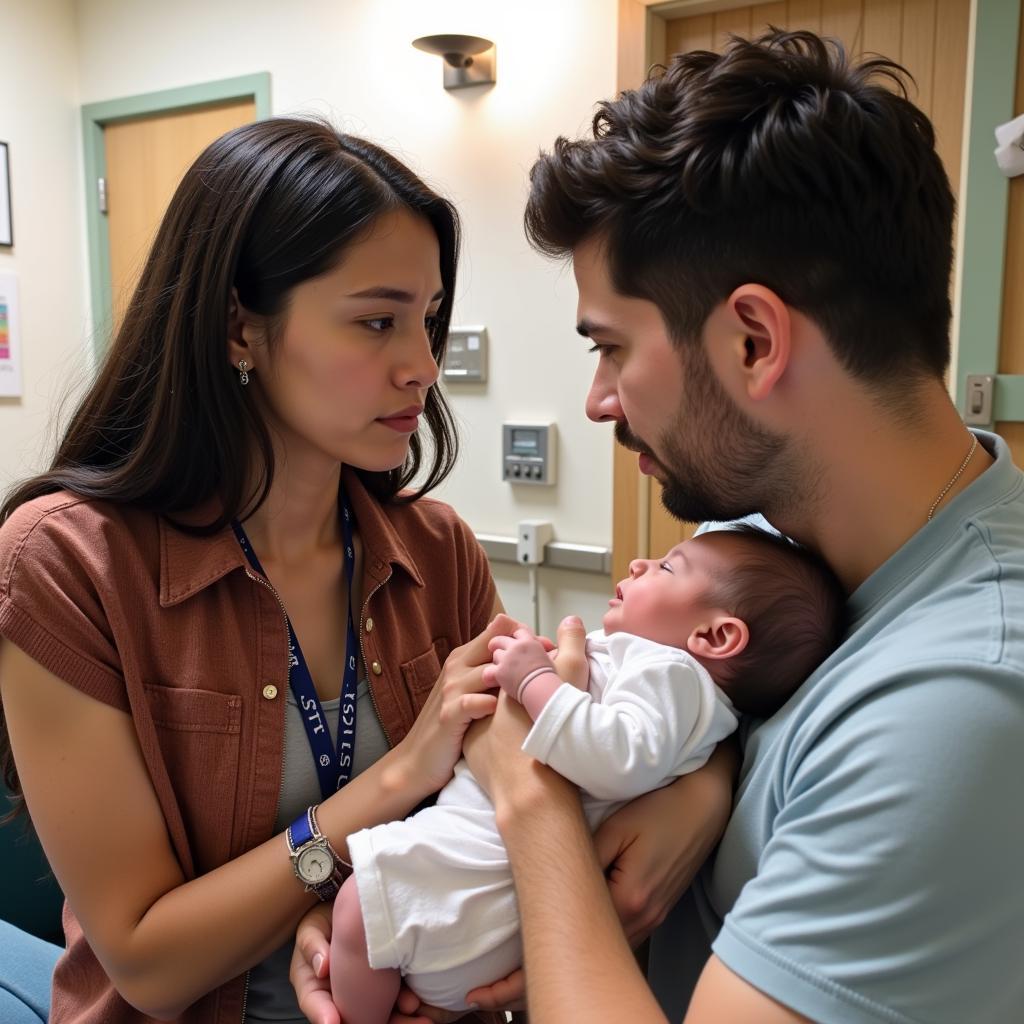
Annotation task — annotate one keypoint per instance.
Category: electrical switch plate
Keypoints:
(465, 358)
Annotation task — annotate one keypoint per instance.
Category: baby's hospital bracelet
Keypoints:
(529, 678)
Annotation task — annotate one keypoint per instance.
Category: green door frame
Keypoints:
(95, 118)
(985, 195)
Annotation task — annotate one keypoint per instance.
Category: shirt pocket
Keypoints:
(199, 733)
(420, 673)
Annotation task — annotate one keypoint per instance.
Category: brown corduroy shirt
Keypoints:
(170, 629)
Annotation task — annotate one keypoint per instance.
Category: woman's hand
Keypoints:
(653, 847)
(513, 659)
(434, 743)
(309, 968)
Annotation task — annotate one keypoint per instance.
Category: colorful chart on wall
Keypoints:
(10, 338)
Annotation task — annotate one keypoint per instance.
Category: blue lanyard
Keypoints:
(301, 681)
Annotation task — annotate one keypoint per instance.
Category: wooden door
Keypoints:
(146, 157)
(928, 37)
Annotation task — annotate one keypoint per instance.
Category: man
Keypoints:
(762, 243)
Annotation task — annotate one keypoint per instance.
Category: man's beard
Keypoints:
(718, 464)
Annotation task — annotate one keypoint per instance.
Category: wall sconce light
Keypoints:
(468, 60)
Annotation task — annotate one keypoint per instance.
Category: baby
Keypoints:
(729, 621)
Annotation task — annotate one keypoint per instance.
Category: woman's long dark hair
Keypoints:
(265, 207)
(165, 425)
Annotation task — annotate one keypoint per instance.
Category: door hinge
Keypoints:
(101, 194)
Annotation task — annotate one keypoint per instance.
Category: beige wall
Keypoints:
(39, 119)
(352, 61)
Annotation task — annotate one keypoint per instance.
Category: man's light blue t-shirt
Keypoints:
(873, 868)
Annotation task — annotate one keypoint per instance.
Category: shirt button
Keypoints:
(270, 691)
(369, 625)
(376, 668)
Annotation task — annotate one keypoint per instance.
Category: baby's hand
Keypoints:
(570, 656)
(513, 658)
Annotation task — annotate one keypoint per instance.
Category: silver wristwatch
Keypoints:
(314, 860)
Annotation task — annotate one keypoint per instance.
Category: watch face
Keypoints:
(314, 865)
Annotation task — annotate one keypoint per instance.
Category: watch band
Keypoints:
(317, 834)
(300, 831)
(302, 834)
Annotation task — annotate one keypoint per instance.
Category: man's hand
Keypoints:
(409, 1010)
(570, 657)
(507, 994)
(493, 748)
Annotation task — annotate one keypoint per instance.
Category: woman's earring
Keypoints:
(243, 372)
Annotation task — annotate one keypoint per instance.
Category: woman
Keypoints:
(224, 621)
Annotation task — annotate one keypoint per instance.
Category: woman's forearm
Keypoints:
(578, 964)
(201, 934)
(204, 932)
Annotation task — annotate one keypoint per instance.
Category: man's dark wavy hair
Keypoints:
(776, 162)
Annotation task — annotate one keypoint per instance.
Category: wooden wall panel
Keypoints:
(666, 532)
(632, 55)
(764, 15)
(952, 27)
(883, 27)
(685, 34)
(844, 19)
(804, 14)
(918, 50)
(734, 22)
(629, 519)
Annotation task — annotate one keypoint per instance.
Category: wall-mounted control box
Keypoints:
(528, 453)
(465, 358)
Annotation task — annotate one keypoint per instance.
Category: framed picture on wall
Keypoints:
(6, 228)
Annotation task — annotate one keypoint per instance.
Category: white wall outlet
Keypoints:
(531, 537)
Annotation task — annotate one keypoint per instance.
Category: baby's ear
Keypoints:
(722, 636)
